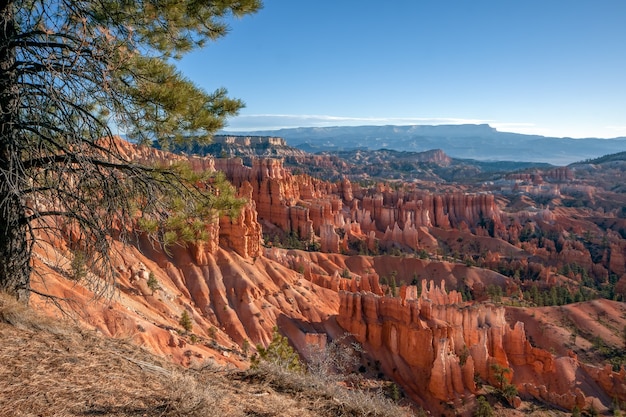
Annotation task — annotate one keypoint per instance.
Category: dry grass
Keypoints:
(51, 368)
(323, 397)
(48, 369)
(22, 317)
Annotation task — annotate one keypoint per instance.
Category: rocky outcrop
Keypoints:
(311, 208)
(245, 147)
(282, 200)
(435, 345)
(560, 174)
(617, 262)
(151, 156)
(248, 140)
(232, 294)
(347, 217)
(243, 233)
(308, 207)
(612, 382)
(230, 300)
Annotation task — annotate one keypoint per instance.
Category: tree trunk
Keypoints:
(14, 243)
(14, 247)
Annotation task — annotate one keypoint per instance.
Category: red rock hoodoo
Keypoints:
(435, 345)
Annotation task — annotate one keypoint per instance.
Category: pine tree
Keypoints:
(279, 353)
(69, 71)
(185, 321)
(499, 373)
(153, 283)
(393, 286)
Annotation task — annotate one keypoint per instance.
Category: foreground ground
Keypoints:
(52, 368)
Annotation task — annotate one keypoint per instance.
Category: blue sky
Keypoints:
(549, 67)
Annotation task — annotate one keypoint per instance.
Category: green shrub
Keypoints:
(212, 332)
(245, 347)
(78, 266)
(483, 408)
(153, 284)
(185, 321)
(278, 352)
(392, 391)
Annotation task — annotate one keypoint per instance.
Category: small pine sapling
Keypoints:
(185, 321)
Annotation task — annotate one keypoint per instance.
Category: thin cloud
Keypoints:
(264, 122)
(282, 121)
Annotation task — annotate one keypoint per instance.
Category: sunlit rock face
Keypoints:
(243, 233)
(435, 346)
(232, 293)
(232, 300)
(338, 214)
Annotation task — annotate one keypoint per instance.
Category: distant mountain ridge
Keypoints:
(469, 141)
(357, 164)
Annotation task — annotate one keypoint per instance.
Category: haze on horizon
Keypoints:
(548, 68)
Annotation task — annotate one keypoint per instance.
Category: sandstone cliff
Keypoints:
(435, 346)
(233, 301)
